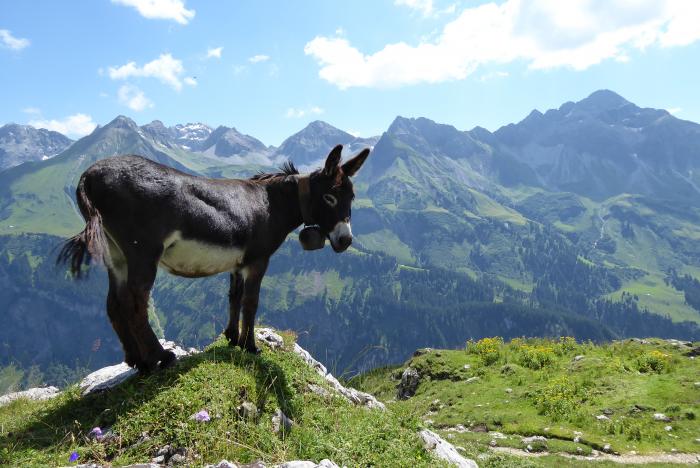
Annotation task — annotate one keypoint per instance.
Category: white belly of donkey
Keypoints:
(192, 258)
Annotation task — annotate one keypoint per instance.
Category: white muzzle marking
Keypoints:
(341, 229)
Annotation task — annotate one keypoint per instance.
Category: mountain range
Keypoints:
(578, 220)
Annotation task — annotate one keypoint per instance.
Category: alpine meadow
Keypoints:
(514, 278)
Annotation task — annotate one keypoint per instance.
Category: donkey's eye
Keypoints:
(330, 200)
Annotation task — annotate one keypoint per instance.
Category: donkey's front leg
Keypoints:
(235, 293)
(253, 275)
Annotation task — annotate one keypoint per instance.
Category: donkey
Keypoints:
(141, 215)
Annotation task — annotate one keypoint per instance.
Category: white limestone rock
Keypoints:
(273, 340)
(111, 376)
(39, 393)
(445, 450)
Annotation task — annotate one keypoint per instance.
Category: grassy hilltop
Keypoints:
(580, 397)
(489, 394)
(147, 413)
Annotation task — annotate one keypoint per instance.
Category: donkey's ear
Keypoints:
(333, 160)
(354, 164)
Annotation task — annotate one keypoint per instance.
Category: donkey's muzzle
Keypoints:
(342, 244)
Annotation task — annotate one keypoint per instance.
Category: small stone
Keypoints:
(165, 451)
(697, 441)
(661, 417)
(281, 424)
(577, 439)
(546, 429)
(159, 459)
(177, 459)
(247, 411)
(528, 440)
(467, 366)
(408, 385)
(668, 428)
(674, 450)
(318, 390)
(509, 390)
(579, 357)
(579, 450)
(497, 435)
(697, 384)
(428, 422)
(602, 417)
(606, 448)
(493, 443)
(472, 379)
(529, 448)
(607, 411)
(633, 452)
(578, 433)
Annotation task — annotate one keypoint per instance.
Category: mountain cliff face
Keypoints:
(604, 145)
(311, 145)
(22, 143)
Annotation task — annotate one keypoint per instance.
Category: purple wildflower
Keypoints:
(73, 457)
(97, 433)
(202, 416)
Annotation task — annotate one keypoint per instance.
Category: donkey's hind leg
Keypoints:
(235, 293)
(142, 274)
(116, 314)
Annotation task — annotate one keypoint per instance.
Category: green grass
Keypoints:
(513, 395)
(218, 380)
(658, 297)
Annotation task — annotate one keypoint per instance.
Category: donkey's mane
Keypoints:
(286, 169)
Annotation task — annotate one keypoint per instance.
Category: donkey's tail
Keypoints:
(90, 243)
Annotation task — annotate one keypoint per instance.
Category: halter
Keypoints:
(311, 237)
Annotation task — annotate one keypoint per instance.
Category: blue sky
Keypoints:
(268, 68)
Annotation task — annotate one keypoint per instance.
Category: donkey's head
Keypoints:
(331, 196)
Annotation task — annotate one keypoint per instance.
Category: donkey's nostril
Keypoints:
(345, 241)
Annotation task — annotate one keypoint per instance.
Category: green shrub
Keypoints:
(559, 399)
(488, 349)
(537, 356)
(653, 361)
(566, 344)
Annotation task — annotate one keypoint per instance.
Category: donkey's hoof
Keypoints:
(231, 336)
(252, 350)
(146, 368)
(131, 361)
(167, 360)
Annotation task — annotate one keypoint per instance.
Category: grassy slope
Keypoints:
(608, 377)
(218, 380)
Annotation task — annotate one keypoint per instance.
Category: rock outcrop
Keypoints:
(408, 385)
(41, 393)
(445, 450)
(275, 341)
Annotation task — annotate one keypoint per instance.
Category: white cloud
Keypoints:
(160, 9)
(297, 113)
(259, 58)
(425, 7)
(544, 34)
(133, 98)
(73, 125)
(214, 53)
(191, 81)
(165, 68)
(239, 69)
(493, 75)
(32, 110)
(675, 110)
(12, 42)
